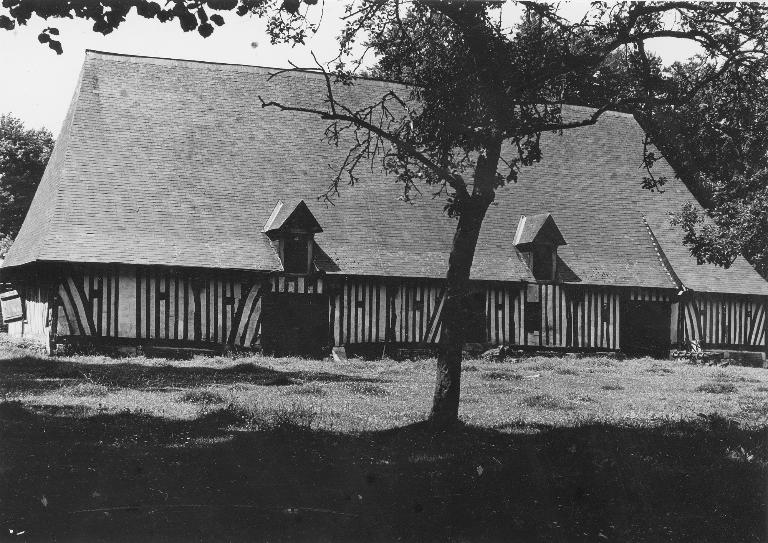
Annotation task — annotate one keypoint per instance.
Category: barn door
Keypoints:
(295, 324)
(476, 325)
(645, 327)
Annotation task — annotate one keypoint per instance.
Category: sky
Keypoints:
(36, 84)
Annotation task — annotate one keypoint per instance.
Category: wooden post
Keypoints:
(765, 332)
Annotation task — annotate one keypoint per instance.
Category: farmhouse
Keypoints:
(177, 212)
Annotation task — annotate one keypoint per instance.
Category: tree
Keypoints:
(717, 142)
(24, 154)
(713, 134)
(5, 245)
(482, 92)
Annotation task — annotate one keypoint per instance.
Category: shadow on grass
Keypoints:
(29, 374)
(133, 477)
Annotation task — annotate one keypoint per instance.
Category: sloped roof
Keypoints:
(739, 278)
(292, 215)
(540, 227)
(176, 163)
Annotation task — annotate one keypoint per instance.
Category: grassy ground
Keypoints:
(551, 449)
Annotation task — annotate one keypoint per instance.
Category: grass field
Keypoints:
(550, 449)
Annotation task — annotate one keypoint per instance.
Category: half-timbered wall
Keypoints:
(36, 322)
(369, 310)
(571, 317)
(724, 321)
(165, 305)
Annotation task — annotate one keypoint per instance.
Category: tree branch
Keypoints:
(455, 181)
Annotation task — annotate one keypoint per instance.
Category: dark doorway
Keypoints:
(295, 324)
(645, 328)
(476, 324)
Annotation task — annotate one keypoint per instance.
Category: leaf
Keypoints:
(56, 46)
(187, 20)
(222, 5)
(148, 9)
(217, 19)
(291, 6)
(43, 37)
(7, 23)
(205, 29)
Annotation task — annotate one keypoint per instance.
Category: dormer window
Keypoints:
(296, 254)
(291, 228)
(537, 238)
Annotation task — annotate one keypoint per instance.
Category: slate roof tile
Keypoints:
(176, 163)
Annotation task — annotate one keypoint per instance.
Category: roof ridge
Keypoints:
(666, 264)
(308, 71)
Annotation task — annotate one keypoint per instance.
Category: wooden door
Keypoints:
(645, 328)
(295, 324)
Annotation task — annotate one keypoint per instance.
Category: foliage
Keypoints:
(718, 143)
(709, 121)
(24, 154)
(5, 245)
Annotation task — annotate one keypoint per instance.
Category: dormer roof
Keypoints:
(291, 217)
(537, 229)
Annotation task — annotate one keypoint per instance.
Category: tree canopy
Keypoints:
(717, 143)
(24, 154)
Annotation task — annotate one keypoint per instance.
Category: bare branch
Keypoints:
(454, 180)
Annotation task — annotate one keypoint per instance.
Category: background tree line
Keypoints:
(24, 153)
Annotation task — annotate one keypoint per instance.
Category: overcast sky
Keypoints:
(36, 84)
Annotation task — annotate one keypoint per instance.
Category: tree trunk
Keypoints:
(445, 405)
